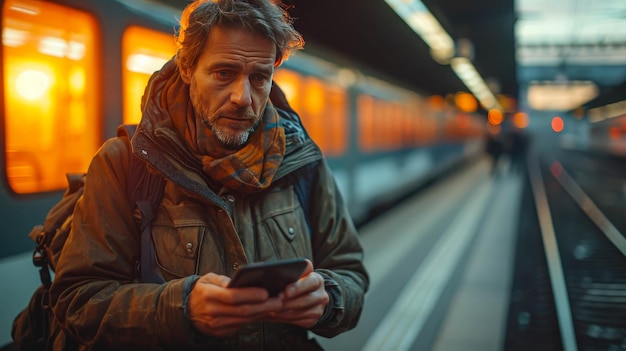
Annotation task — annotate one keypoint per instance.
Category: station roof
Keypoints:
(371, 33)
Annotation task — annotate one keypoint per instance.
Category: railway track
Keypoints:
(569, 291)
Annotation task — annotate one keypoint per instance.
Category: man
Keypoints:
(233, 164)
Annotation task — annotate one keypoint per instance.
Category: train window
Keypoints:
(336, 119)
(143, 52)
(51, 95)
(290, 82)
(396, 139)
(324, 111)
(412, 115)
(365, 111)
(383, 127)
(312, 112)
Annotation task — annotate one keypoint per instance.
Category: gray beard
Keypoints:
(229, 140)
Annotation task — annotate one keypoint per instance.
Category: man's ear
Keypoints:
(185, 74)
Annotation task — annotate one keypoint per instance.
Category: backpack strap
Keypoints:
(51, 235)
(301, 181)
(145, 191)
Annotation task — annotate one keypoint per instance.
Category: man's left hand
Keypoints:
(304, 301)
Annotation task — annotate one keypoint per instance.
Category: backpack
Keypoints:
(31, 328)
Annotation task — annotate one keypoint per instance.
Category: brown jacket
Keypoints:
(96, 294)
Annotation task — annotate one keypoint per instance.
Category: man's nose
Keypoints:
(241, 93)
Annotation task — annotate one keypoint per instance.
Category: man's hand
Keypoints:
(218, 311)
(304, 301)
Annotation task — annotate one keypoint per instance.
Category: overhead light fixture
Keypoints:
(466, 71)
(560, 95)
(607, 111)
(442, 47)
(416, 15)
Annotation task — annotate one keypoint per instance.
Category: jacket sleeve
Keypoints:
(338, 255)
(95, 294)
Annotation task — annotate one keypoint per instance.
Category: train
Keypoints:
(601, 132)
(73, 70)
(608, 135)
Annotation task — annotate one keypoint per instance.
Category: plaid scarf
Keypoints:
(248, 170)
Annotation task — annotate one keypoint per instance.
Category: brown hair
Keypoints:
(266, 17)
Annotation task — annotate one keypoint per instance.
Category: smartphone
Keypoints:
(273, 276)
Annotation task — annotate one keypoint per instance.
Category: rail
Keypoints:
(555, 267)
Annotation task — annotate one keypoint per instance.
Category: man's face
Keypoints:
(231, 82)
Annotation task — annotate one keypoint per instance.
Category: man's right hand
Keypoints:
(216, 310)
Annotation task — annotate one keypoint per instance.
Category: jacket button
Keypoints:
(189, 247)
(235, 266)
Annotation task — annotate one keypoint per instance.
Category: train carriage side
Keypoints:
(405, 139)
(70, 72)
(382, 141)
(69, 80)
(609, 136)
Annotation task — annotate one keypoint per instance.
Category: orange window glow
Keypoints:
(143, 52)
(392, 122)
(290, 83)
(51, 93)
(312, 112)
(337, 119)
(398, 126)
(323, 109)
(432, 125)
(378, 123)
(408, 127)
(365, 113)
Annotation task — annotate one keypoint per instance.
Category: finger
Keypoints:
(250, 295)
(221, 319)
(308, 270)
(240, 302)
(307, 284)
(317, 298)
(214, 287)
(214, 279)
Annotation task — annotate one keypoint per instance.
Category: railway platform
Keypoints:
(441, 266)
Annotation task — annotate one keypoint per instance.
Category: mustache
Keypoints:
(245, 112)
(242, 113)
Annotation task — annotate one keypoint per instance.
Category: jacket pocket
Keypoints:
(177, 235)
(282, 226)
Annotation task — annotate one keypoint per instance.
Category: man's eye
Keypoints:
(223, 74)
(260, 78)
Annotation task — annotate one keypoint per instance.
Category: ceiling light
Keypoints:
(442, 47)
(416, 15)
(560, 96)
(607, 111)
(466, 71)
